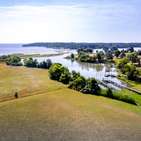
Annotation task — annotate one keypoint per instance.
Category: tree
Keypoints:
(91, 87)
(55, 71)
(30, 62)
(139, 52)
(78, 84)
(72, 56)
(14, 61)
(74, 75)
(132, 73)
(121, 64)
(45, 64)
(130, 49)
(83, 57)
(109, 55)
(65, 76)
(133, 57)
(87, 50)
(100, 56)
(109, 93)
(4, 58)
(117, 53)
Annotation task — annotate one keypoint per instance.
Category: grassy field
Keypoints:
(57, 113)
(25, 81)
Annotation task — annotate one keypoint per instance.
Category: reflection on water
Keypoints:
(88, 66)
(98, 71)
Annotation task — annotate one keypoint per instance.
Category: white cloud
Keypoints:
(92, 23)
(30, 23)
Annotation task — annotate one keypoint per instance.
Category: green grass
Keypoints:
(61, 114)
(25, 81)
(130, 83)
(133, 95)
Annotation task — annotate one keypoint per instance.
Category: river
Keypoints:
(88, 70)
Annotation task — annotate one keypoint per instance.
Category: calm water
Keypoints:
(6, 49)
(86, 69)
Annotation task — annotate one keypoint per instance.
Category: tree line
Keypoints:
(74, 45)
(28, 62)
(86, 86)
(73, 79)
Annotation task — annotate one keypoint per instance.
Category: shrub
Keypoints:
(100, 56)
(65, 76)
(74, 75)
(4, 58)
(72, 56)
(122, 63)
(117, 53)
(109, 55)
(83, 57)
(55, 71)
(91, 87)
(128, 99)
(30, 62)
(45, 64)
(124, 98)
(109, 93)
(78, 84)
(133, 57)
(59, 73)
(14, 61)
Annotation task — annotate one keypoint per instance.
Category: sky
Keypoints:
(26, 21)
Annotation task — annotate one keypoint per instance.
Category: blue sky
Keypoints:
(70, 20)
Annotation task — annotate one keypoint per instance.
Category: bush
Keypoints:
(74, 75)
(91, 87)
(128, 99)
(78, 84)
(59, 73)
(72, 56)
(109, 93)
(119, 96)
(45, 64)
(117, 53)
(124, 98)
(133, 57)
(122, 63)
(4, 58)
(65, 76)
(14, 61)
(83, 57)
(100, 56)
(30, 62)
(109, 55)
(55, 71)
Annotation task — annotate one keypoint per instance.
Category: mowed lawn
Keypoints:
(57, 113)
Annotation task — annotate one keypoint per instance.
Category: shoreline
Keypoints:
(23, 56)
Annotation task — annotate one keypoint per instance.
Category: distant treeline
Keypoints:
(73, 45)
